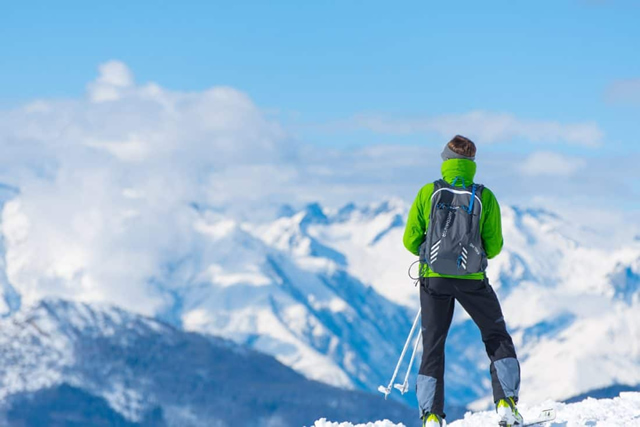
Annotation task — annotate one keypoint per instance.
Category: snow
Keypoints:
(217, 274)
(622, 411)
(371, 240)
(386, 423)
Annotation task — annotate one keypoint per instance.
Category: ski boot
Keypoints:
(508, 412)
(431, 420)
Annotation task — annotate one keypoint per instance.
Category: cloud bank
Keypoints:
(487, 127)
(106, 182)
(546, 163)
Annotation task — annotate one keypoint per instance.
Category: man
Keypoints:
(454, 226)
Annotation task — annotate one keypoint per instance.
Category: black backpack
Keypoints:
(453, 245)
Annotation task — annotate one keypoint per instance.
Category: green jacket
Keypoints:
(490, 220)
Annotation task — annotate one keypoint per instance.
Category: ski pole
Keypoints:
(404, 387)
(387, 390)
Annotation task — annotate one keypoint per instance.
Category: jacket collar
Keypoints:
(462, 169)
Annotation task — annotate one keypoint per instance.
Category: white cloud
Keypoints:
(106, 183)
(486, 127)
(130, 149)
(115, 73)
(114, 77)
(546, 163)
(624, 91)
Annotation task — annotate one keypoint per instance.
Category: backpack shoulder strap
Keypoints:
(439, 197)
(476, 191)
(441, 183)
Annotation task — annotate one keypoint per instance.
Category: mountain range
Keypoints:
(326, 292)
(569, 295)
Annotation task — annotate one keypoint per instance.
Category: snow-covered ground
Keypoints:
(386, 423)
(623, 411)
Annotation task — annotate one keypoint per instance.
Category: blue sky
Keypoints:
(320, 62)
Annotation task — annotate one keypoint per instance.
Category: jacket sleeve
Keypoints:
(418, 222)
(492, 224)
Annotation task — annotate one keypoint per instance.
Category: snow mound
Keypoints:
(617, 412)
(620, 411)
(386, 423)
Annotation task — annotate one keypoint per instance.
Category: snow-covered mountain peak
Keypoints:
(357, 238)
(312, 214)
(285, 211)
(539, 213)
(315, 213)
(64, 318)
(277, 288)
(354, 212)
(625, 279)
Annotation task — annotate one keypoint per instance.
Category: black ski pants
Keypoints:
(477, 297)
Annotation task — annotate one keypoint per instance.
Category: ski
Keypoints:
(544, 417)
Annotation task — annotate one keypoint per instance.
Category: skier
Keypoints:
(454, 226)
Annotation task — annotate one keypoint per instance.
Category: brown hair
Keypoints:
(463, 146)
